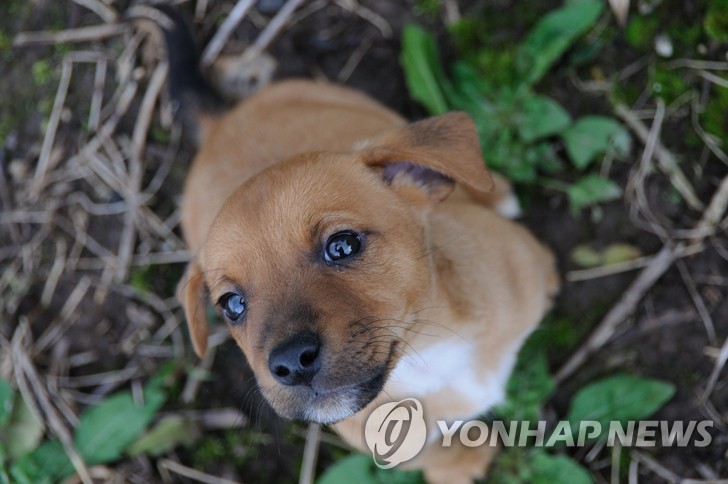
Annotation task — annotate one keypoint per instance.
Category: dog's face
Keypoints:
(320, 264)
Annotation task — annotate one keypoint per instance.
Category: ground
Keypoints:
(91, 251)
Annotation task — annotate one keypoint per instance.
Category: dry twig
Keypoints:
(620, 311)
(214, 47)
(310, 454)
(193, 474)
(82, 34)
(666, 160)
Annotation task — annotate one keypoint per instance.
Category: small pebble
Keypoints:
(663, 45)
(18, 170)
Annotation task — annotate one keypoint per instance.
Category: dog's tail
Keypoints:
(193, 97)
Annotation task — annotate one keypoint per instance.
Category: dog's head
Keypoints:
(320, 263)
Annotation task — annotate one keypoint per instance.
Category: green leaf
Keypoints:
(541, 117)
(716, 21)
(422, 69)
(4, 476)
(618, 398)
(6, 401)
(469, 94)
(557, 468)
(591, 190)
(107, 429)
(552, 36)
(170, 432)
(512, 466)
(621, 143)
(590, 137)
(621, 252)
(586, 256)
(360, 469)
(46, 464)
(23, 432)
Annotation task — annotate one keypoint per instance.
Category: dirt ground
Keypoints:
(87, 288)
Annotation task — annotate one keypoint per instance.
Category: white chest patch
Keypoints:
(429, 370)
(451, 363)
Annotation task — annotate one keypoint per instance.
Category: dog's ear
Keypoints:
(191, 293)
(429, 156)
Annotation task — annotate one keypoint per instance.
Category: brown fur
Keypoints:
(301, 161)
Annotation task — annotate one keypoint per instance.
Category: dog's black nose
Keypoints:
(296, 361)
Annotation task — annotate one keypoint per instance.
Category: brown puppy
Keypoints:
(358, 259)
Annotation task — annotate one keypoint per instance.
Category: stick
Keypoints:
(198, 476)
(223, 33)
(97, 99)
(83, 34)
(665, 159)
(716, 208)
(620, 267)
(44, 159)
(310, 454)
(620, 311)
(697, 301)
(273, 28)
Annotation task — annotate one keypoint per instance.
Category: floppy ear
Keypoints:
(191, 293)
(425, 159)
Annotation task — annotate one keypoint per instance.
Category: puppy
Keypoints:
(356, 258)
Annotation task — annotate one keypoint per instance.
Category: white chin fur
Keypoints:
(329, 413)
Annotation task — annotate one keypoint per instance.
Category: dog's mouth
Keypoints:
(331, 405)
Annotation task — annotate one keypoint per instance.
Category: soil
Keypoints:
(665, 339)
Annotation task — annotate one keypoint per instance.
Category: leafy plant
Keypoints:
(104, 432)
(517, 126)
(535, 465)
(360, 468)
(619, 398)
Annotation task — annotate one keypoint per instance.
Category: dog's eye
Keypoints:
(233, 306)
(342, 245)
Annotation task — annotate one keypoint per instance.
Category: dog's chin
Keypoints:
(330, 406)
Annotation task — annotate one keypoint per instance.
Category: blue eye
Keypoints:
(342, 245)
(233, 306)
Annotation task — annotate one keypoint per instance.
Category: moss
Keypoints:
(6, 45)
(141, 280)
(43, 73)
(715, 117)
(62, 50)
(158, 134)
(669, 84)
(687, 36)
(625, 93)
(157, 279)
(641, 30)
(232, 446)
(428, 8)
(716, 20)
